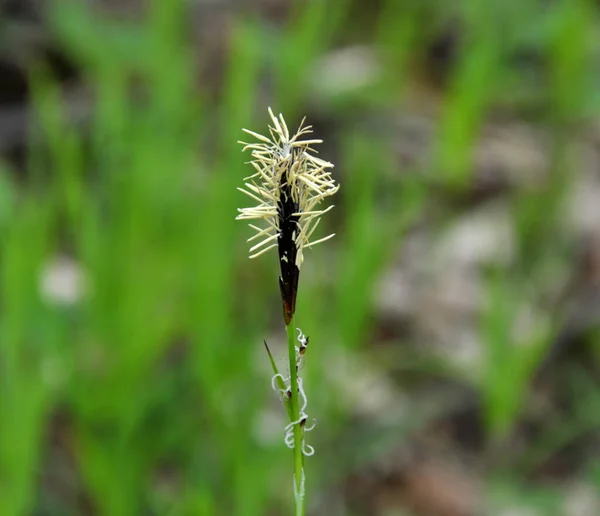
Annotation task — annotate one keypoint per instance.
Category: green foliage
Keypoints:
(151, 380)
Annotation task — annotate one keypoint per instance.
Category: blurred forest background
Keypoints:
(454, 363)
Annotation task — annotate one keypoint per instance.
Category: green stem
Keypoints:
(299, 493)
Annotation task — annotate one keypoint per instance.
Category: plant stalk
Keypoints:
(299, 490)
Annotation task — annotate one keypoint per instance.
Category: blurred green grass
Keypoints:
(151, 382)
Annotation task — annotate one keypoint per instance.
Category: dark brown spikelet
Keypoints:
(288, 227)
(289, 183)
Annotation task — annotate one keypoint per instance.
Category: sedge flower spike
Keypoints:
(289, 184)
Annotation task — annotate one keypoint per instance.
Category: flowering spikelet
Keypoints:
(289, 184)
